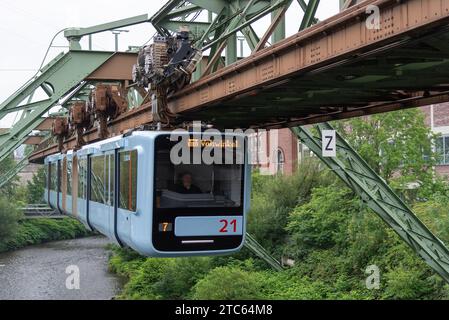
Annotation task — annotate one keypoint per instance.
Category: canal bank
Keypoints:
(49, 271)
(36, 231)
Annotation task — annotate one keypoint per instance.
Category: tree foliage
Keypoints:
(397, 145)
(9, 217)
(9, 188)
(36, 187)
(273, 198)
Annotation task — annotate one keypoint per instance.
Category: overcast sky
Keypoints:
(28, 26)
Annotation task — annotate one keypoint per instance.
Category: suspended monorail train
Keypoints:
(159, 193)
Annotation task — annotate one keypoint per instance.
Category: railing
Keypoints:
(40, 211)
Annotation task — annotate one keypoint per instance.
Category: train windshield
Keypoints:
(198, 184)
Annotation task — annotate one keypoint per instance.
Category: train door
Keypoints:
(69, 184)
(75, 179)
(127, 192)
(98, 211)
(64, 185)
(110, 192)
(59, 185)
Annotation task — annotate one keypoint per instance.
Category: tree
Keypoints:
(5, 166)
(228, 283)
(274, 197)
(397, 145)
(36, 187)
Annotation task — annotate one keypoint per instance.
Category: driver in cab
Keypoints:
(186, 186)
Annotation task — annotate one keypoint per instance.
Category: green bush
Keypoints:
(144, 282)
(229, 283)
(181, 276)
(36, 231)
(9, 220)
(274, 197)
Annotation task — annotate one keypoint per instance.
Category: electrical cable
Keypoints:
(43, 60)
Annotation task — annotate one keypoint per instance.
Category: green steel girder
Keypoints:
(214, 6)
(74, 35)
(247, 22)
(377, 195)
(6, 177)
(263, 254)
(231, 17)
(63, 75)
(309, 13)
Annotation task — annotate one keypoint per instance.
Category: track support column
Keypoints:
(377, 195)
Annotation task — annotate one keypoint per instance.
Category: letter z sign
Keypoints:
(329, 143)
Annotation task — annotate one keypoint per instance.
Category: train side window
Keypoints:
(53, 176)
(59, 176)
(82, 174)
(111, 166)
(128, 180)
(69, 178)
(47, 176)
(98, 179)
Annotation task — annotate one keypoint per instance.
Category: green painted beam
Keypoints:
(353, 170)
(214, 6)
(248, 22)
(231, 17)
(182, 11)
(262, 253)
(63, 75)
(196, 28)
(309, 14)
(279, 31)
(74, 35)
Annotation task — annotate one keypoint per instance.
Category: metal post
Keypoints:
(231, 50)
(279, 32)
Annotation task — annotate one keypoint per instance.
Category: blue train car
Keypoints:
(131, 189)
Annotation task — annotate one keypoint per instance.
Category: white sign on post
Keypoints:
(329, 143)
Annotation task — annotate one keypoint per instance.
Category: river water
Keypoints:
(39, 272)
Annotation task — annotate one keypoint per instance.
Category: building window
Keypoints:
(442, 150)
(128, 180)
(280, 161)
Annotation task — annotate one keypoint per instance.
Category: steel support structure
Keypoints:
(226, 20)
(353, 170)
(61, 76)
(263, 254)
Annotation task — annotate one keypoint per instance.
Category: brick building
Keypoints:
(286, 151)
